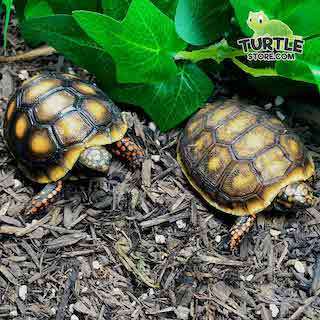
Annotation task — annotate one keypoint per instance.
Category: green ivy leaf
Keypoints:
(36, 8)
(67, 6)
(200, 22)
(167, 6)
(28, 9)
(117, 9)
(40, 8)
(306, 67)
(170, 102)
(19, 7)
(143, 45)
(65, 35)
(302, 16)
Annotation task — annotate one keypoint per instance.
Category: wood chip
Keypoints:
(66, 240)
(8, 275)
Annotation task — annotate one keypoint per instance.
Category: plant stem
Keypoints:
(32, 54)
(214, 52)
(256, 72)
(221, 51)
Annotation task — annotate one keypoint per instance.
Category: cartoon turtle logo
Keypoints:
(263, 26)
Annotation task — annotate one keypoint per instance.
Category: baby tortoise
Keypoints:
(56, 125)
(243, 160)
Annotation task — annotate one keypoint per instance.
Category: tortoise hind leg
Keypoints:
(46, 196)
(128, 150)
(240, 229)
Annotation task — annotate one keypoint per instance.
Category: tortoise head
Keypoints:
(296, 195)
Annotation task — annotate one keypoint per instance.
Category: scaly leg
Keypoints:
(46, 196)
(128, 150)
(240, 229)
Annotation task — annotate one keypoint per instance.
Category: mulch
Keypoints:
(142, 244)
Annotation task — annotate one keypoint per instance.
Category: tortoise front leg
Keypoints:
(128, 150)
(240, 229)
(46, 196)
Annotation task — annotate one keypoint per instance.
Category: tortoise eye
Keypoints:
(260, 20)
(250, 20)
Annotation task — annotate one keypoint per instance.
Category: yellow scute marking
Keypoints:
(193, 127)
(203, 142)
(56, 173)
(99, 139)
(292, 146)
(70, 76)
(97, 110)
(118, 131)
(21, 126)
(254, 141)
(40, 143)
(72, 128)
(276, 122)
(221, 113)
(214, 164)
(272, 164)
(230, 130)
(42, 179)
(25, 82)
(244, 181)
(51, 106)
(32, 93)
(240, 181)
(10, 110)
(71, 156)
(84, 88)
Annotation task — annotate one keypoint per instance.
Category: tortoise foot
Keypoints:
(240, 229)
(46, 196)
(128, 150)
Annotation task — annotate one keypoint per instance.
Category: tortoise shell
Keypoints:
(52, 118)
(238, 157)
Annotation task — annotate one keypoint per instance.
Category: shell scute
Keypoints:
(21, 125)
(249, 144)
(221, 114)
(240, 180)
(50, 107)
(293, 147)
(33, 92)
(272, 164)
(215, 162)
(195, 126)
(41, 146)
(84, 88)
(231, 129)
(71, 128)
(98, 111)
